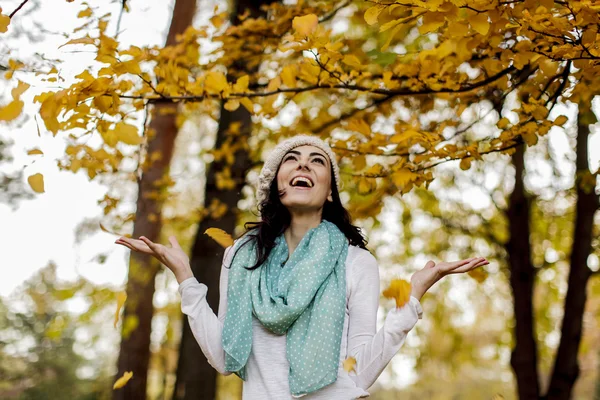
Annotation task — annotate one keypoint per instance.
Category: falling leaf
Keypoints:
(479, 274)
(350, 364)
(34, 151)
(220, 236)
(306, 24)
(122, 381)
(398, 290)
(36, 181)
(121, 297)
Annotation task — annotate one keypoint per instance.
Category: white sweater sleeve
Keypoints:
(373, 349)
(205, 325)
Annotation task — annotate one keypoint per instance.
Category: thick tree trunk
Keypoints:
(134, 354)
(566, 366)
(522, 275)
(196, 379)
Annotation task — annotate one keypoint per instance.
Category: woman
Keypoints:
(299, 291)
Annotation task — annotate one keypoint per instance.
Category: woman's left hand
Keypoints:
(422, 280)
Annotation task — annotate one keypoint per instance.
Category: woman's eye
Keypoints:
(289, 158)
(320, 160)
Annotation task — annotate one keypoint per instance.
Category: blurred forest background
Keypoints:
(462, 127)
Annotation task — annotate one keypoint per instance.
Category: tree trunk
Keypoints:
(522, 275)
(566, 366)
(134, 353)
(196, 379)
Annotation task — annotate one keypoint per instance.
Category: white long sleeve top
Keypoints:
(267, 367)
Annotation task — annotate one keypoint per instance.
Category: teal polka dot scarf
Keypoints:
(304, 298)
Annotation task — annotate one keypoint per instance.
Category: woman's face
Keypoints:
(304, 178)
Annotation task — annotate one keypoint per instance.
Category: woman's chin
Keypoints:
(306, 202)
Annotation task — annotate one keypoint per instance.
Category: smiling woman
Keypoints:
(299, 291)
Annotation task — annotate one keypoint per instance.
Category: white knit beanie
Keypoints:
(271, 165)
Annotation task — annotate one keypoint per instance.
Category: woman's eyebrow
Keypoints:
(318, 154)
(310, 155)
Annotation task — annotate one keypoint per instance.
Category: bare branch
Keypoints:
(17, 9)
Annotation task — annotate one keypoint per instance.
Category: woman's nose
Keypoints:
(302, 164)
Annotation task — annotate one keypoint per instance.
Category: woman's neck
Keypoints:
(299, 225)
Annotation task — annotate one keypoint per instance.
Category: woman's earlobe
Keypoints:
(330, 198)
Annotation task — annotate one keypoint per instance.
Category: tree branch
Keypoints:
(17, 9)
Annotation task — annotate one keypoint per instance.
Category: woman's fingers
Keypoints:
(478, 262)
(463, 265)
(134, 244)
(155, 247)
(174, 242)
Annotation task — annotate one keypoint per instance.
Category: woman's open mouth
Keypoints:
(302, 183)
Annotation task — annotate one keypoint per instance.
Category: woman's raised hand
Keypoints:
(172, 257)
(422, 280)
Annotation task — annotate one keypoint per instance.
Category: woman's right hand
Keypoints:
(172, 257)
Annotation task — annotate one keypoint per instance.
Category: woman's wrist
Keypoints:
(184, 274)
(416, 293)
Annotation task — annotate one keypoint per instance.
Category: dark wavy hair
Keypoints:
(275, 219)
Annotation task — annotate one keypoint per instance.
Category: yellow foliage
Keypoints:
(4, 22)
(11, 111)
(399, 290)
(306, 24)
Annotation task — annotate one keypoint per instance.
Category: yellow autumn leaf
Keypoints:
(241, 85)
(121, 297)
(479, 274)
(404, 176)
(4, 22)
(215, 82)
(85, 13)
(398, 290)
(352, 61)
(288, 76)
(431, 22)
(18, 91)
(232, 105)
(479, 23)
(83, 40)
(560, 120)
(127, 134)
(36, 181)
(465, 163)
(350, 364)
(306, 24)
(220, 236)
(34, 151)
(122, 381)
(503, 123)
(11, 111)
(372, 14)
